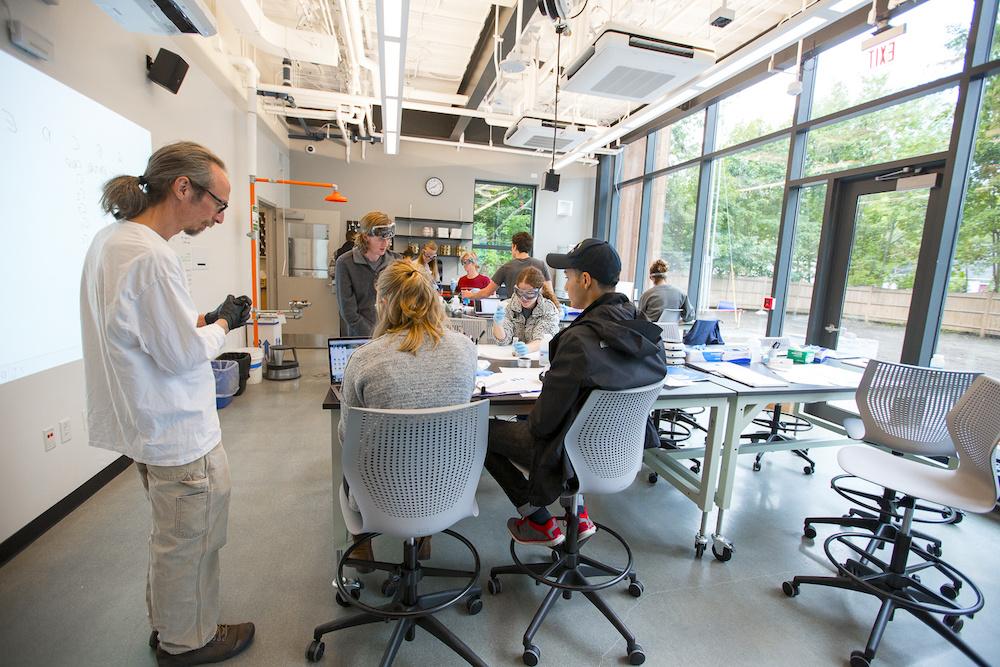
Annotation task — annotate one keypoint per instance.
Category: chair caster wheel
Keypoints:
(954, 622)
(390, 586)
(809, 532)
(653, 477)
(699, 550)
(531, 655)
(934, 550)
(342, 601)
(808, 470)
(636, 656)
(950, 591)
(411, 634)
(696, 469)
(315, 651)
(858, 659)
(790, 588)
(474, 605)
(723, 555)
(567, 595)
(756, 466)
(635, 588)
(494, 586)
(959, 515)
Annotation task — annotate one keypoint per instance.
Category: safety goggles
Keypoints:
(383, 231)
(526, 294)
(467, 261)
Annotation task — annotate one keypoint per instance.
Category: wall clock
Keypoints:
(434, 186)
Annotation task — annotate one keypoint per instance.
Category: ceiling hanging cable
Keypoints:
(551, 182)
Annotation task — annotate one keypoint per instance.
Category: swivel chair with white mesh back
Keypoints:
(907, 578)
(603, 449)
(901, 408)
(412, 473)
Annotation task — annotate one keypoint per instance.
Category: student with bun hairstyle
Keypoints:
(661, 296)
(413, 360)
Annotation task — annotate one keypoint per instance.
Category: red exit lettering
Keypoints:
(883, 54)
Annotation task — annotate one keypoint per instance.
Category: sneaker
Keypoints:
(526, 531)
(586, 527)
(229, 641)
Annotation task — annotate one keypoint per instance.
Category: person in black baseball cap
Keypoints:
(590, 256)
(607, 347)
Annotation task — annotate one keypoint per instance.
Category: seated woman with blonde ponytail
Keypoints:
(413, 360)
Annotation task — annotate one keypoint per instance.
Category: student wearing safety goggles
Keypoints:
(357, 271)
(531, 314)
(473, 279)
(428, 261)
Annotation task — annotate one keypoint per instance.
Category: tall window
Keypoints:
(499, 211)
(747, 189)
(805, 251)
(932, 46)
(671, 223)
(762, 108)
(970, 330)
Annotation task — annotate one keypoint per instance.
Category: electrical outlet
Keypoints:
(49, 438)
(65, 430)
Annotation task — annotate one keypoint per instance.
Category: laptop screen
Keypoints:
(486, 306)
(340, 350)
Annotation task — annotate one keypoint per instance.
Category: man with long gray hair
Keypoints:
(151, 390)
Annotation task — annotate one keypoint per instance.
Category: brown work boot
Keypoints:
(424, 548)
(364, 551)
(229, 641)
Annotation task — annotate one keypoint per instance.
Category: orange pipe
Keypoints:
(311, 184)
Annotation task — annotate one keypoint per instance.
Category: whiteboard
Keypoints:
(58, 148)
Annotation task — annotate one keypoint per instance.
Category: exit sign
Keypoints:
(882, 49)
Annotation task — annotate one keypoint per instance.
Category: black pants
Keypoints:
(511, 442)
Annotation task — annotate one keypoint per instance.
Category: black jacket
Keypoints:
(607, 347)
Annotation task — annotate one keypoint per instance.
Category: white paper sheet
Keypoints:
(818, 374)
(500, 352)
(738, 373)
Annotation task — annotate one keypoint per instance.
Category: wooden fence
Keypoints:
(977, 313)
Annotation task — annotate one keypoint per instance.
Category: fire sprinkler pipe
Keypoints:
(335, 196)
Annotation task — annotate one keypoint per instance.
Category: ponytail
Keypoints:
(410, 305)
(125, 197)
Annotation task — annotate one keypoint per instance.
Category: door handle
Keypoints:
(830, 328)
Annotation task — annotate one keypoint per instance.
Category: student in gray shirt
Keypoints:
(520, 247)
(413, 360)
(661, 296)
(356, 271)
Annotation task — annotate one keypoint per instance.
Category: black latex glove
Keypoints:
(212, 316)
(247, 305)
(235, 311)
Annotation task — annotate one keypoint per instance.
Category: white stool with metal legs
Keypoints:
(604, 445)
(908, 579)
(412, 473)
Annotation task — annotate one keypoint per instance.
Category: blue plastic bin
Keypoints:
(227, 381)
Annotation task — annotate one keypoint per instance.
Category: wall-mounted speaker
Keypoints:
(167, 70)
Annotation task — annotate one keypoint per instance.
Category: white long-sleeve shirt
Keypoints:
(150, 386)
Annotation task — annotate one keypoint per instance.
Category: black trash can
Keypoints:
(243, 359)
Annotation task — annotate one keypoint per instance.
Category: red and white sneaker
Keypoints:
(587, 527)
(526, 531)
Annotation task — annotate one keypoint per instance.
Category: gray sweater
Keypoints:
(658, 298)
(355, 278)
(378, 375)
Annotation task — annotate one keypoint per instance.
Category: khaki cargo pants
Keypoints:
(190, 506)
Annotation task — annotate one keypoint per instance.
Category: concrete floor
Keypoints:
(75, 596)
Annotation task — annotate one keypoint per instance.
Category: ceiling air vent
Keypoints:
(536, 133)
(637, 68)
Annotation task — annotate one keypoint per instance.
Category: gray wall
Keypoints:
(395, 184)
(104, 62)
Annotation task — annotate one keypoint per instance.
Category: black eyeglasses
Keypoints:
(223, 204)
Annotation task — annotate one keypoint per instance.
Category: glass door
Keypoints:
(863, 306)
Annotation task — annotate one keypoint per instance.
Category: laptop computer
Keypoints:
(486, 307)
(339, 350)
